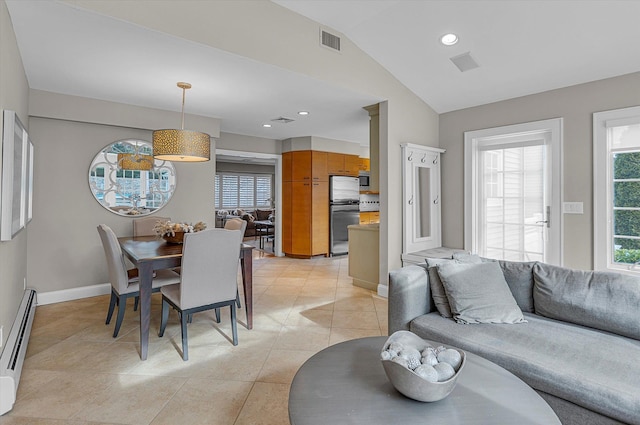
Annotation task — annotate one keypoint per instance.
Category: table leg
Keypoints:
(246, 263)
(145, 271)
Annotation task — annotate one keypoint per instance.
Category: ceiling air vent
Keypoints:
(282, 120)
(464, 62)
(330, 41)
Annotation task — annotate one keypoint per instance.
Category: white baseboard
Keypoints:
(73, 294)
(383, 290)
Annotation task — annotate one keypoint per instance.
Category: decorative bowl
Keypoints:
(407, 382)
(177, 239)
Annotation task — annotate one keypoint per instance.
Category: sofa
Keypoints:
(248, 215)
(573, 336)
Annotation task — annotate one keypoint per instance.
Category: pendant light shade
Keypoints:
(181, 145)
(135, 161)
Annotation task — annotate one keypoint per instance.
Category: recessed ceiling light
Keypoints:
(303, 113)
(449, 39)
(266, 125)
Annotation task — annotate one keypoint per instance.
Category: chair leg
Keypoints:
(190, 318)
(164, 317)
(234, 326)
(183, 327)
(122, 306)
(135, 303)
(112, 305)
(217, 312)
(238, 299)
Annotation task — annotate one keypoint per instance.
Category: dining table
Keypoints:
(149, 253)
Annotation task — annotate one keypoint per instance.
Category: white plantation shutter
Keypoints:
(263, 191)
(246, 191)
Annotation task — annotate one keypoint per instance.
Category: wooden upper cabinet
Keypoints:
(301, 166)
(351, 165)
(365, 164)
(335, 163)
(287, 159)
(319, 170)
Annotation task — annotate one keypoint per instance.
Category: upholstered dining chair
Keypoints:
(123, 283)
(241, 225)
(144, 226)
(207, 281)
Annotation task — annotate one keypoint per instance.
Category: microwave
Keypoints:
(364, 181)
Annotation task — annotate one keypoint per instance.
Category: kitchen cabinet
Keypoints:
(364, 255)
(339, 164)
(305, 204)
(365, 164)
(369, 217)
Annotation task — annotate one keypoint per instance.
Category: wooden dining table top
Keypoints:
(148, 248)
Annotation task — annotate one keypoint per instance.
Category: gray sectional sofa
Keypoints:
(579, 346)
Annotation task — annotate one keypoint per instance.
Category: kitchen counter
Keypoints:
(364, 253)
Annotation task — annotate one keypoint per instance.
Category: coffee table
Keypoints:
(346, 384)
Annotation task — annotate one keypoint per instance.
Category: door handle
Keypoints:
(547, 221)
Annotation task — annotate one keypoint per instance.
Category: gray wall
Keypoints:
(64, 249)
(576, 105)
(14, 95)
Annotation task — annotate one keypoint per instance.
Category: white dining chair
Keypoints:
(144, 226)
(207, 281)
(241, 225)
(124, 284)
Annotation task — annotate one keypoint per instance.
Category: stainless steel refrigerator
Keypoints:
(344, 199)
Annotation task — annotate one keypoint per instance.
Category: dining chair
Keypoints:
(144, 226)
(241, 225)
(124, 284)
(208, 279)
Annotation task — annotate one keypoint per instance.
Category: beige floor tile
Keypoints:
(267, 404)
(310, 317)
(300, 307)
(133, 399)
(237, 363)
(341, 335)
(360, 303)
(65, 355)
(282, 365)
(205, 401)
(64, 395)
(309, 338)
(355, 320)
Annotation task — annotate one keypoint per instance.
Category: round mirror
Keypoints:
(126, 179)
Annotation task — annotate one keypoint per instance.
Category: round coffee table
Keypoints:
(346, 384)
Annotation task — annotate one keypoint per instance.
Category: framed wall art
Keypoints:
(17, 156)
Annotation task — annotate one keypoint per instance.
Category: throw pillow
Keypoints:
(262, 215)
(478, 293)
(601, 300)
(437, 290)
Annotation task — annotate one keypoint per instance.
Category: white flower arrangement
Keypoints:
(167, 228)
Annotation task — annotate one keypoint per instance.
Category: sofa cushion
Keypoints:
(544, 353)
(519, 277)
(262, 214)
(437, 290)
(478, 293)
(601, 300)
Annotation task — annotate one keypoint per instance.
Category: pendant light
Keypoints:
(181, 145)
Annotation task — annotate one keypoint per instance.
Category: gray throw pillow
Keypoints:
(437, 290)
(601, 300)
(478, 293)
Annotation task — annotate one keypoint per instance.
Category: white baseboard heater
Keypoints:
(13, 354)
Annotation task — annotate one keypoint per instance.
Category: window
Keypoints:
(245, 191)
(512, 195)
(617, 190)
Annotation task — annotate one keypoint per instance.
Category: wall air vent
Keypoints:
(330, 41)
(464, 62)
(282, 120)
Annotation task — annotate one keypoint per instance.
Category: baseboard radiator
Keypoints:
(13, 354)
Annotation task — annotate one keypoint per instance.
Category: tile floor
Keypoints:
(76, 373)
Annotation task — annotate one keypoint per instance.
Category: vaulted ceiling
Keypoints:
(521, 47)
